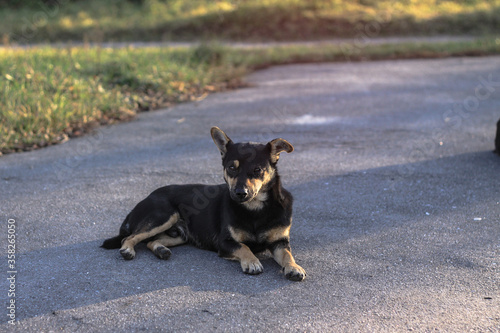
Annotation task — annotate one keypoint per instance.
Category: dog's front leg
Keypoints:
(250, 264)
(282, 254)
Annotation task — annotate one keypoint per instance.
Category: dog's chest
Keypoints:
(262, 237)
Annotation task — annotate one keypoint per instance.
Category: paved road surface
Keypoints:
(396, 219)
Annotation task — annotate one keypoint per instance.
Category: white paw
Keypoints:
(252, 267)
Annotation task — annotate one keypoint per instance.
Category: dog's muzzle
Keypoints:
(241, 194)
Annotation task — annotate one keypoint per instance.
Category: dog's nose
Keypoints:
(241, 193)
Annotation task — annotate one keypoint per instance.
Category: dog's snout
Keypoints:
(241, 193)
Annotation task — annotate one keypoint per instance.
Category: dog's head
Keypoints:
(249, 168)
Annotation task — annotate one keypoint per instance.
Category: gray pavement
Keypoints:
(397, 208)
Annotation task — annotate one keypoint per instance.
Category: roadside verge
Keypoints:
(51, 94)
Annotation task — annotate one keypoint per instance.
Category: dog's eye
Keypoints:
(232, 168)
(257, 171)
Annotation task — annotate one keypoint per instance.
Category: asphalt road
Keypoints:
(396, 220)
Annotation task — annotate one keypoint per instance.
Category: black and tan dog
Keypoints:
(250, 214)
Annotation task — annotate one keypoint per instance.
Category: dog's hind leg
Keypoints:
(159, 246)
(148, 231)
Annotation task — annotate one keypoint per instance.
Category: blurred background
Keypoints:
(70, 66)
(33, 21)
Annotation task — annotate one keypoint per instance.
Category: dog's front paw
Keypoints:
(294, 272)
(252, 267)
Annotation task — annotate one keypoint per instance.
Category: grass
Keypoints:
(49, 95)
(156, 20)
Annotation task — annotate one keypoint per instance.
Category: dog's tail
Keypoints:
(113, 243)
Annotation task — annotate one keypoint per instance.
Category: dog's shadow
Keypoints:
(82, 274)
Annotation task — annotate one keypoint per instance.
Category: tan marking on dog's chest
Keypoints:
(275, 234)
(241, 236)
(269, 236)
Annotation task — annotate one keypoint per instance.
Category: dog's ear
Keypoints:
(277, 146)
(221, 140)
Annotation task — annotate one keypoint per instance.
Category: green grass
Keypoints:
(155, 20)
(49, 95)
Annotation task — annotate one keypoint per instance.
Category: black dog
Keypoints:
(252, 213)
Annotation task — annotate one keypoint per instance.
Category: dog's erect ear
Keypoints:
(221, 140)
(277, 146)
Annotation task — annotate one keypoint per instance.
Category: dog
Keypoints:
(249, 214)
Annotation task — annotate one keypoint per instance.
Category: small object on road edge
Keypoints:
(497, 139)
